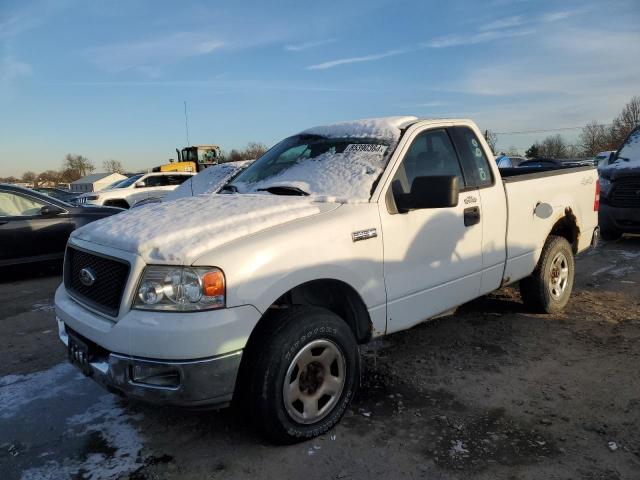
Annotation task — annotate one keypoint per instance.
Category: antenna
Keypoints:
(186, 122)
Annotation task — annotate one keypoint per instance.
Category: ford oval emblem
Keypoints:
(87, 276)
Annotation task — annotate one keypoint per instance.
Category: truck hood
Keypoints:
(180, 231)
(620, 169)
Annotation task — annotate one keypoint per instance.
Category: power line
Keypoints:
(547, 130)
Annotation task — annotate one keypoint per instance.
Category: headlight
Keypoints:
(180, 289)
(605, 185)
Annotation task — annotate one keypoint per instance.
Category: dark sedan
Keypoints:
(35, 227)
(58, 193)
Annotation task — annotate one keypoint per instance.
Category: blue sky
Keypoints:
(107, 79)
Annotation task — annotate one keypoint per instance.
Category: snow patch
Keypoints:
(112, 424)
(180, 231)
(18, 390)
(631, 151)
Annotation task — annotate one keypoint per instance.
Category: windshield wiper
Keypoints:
(623, 158)
(229, 188)
(284, 190)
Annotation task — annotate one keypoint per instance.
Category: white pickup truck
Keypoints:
(262, 293)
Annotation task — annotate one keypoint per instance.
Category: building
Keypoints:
(95, 182)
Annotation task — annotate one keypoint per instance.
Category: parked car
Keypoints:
(136, 188)
(64, 195)
(620, 190)
(35, 227)
(541, 163)
(261, 294)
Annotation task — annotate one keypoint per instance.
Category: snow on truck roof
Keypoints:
(383, 127)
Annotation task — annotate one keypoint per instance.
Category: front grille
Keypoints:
(625, 192)
(105, 294)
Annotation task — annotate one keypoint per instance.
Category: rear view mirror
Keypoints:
(429, 192)
(141, 184)
(51, 210)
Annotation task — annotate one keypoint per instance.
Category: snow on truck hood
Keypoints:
(180, 231)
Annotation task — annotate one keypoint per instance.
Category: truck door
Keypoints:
(432, 257)
(480, 175)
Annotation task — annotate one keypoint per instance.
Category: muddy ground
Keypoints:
(491, 392)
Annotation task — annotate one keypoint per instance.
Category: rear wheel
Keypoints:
(549, 287)
(305, 374)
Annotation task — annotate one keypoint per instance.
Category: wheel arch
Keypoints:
(567, 227)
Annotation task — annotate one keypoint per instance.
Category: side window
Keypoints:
(12, 205)
(155, 181)
(176, 179)
(430, 154)
(474, 162)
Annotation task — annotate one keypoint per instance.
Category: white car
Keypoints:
(140, 187)
(262, 293)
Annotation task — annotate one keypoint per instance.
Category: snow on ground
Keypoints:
(18, 390)
(182, 230)
(72, 427)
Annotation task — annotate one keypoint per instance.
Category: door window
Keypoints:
(176, 179)
(430, 154)
(155, 181)
(475, 163)
(12, 205)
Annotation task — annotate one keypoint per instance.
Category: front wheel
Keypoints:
(549, 287)
(305, 374)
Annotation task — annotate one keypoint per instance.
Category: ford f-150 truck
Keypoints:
(260, 294)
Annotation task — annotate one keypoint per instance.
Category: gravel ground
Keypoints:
(491, 392)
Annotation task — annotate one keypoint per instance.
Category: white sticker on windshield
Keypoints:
(366, 147)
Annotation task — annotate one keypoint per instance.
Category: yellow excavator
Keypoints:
(193, 159)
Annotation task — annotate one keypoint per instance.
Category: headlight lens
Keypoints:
(180, 289)
(605, 185)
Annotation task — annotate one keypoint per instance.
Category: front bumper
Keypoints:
(203, 382)
(626, 220)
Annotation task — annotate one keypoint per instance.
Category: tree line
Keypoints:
(593, 139)
(73, 167)
(76, 166)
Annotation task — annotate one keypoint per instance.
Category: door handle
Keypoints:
(471, 216)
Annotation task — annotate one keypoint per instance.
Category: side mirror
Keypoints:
(429, 192)
(141, 184)
(51, 210)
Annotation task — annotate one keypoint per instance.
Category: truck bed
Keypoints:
(569, 191)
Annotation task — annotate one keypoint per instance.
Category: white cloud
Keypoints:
(508, 22)
(366, 58)
(473, 39)
(150, 56)
(11, 72)
(556, 16)
(299, 47)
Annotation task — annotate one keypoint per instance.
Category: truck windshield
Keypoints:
(127, 182)
(316, 165)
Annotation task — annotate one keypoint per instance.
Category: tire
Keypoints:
(308, 361)
(610, 234)
(539, 290)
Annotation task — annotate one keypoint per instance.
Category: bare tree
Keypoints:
(492, 139)
(30, 177)
(252, 151)
(113, 166)
(626, 121)
(76, 166)
(553, 146)
(594, 138)
(49, 176)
